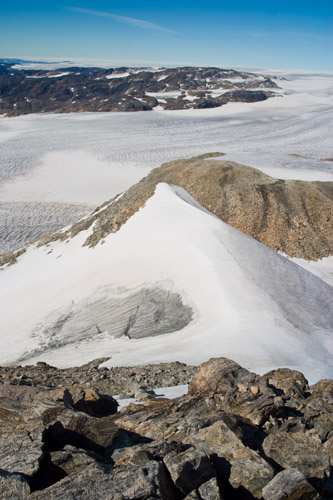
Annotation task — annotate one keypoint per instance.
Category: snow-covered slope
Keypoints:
(230, 295)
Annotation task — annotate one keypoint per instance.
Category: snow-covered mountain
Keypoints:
(173, 283)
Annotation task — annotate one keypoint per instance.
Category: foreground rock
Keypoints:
(235, 436)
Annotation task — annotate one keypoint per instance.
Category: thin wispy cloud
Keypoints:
(140, 23)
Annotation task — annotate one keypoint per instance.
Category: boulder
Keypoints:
(236, 390)
(244, 468)
(328, 445)
(13, 486)
(90, 401)
(20, 449)
(285, 382)
(189, 469)
(318, 408)
(142, 393)
(209, 490)
(219, 376)
(71, 459)
(79, 430)
(301, 448)
(323, 387)
(289, 484)
(105, 482)
(141, 453)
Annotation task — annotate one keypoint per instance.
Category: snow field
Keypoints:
(250, 304)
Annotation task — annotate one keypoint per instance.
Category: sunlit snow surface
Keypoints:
(249, 303)
(82, 159)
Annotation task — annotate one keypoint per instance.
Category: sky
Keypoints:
(294, 34)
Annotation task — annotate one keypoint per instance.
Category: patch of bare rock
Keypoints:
(234, 436)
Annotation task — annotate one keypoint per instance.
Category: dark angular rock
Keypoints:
(80, 430)
(105, 483)
(20, 449)
(189, 469)
(323, 387)
(210, 490)
(13, 486)
(142, 393)
(227, 439)
(244, 468)
(291, 484)
(141, 453)
(90, 401)
(301, 449)
(286, 382)
(71, 459)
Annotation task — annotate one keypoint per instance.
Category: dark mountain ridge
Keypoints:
(74, 89)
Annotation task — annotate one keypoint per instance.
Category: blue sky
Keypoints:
(281, 34)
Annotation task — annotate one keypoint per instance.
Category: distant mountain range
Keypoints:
(73, 89)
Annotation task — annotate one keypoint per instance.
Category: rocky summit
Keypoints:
(290, 216)
(74, 89)
(234, 436)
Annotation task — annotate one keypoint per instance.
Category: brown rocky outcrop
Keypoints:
(294, 217)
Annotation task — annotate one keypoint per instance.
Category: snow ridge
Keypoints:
(249, 303)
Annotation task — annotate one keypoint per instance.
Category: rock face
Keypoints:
(126, 89)
(235, 436)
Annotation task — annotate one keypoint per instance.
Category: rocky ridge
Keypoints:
(294, 217)
(122, 380)
(76, 89)
(235, 435)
